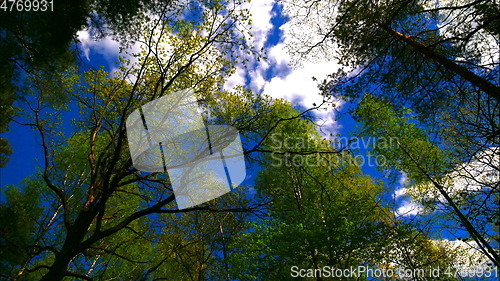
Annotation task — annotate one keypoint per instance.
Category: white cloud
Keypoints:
(295, 85)
(409, 208)
(260, 27)
(474, 175)
(237, 78)
(281, 58)
(106, 46)
(300, 88)
(480, 173)
(456, 23)
(468, 254)
(398, 193)
(309, 21)
(261, 11)
(402, 183)
(275, 77)
(477, 174)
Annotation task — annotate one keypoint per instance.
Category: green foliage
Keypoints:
(324, 211)
(19, 216)
(404, 145)
(443, 188)
(89, 213)
(418, 54)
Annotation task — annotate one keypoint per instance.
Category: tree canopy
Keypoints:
(420, 80)
(425, 73)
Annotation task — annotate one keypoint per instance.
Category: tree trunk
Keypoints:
(486, 86)
(71, 247)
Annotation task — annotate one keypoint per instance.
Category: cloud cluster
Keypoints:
(275, 77)
(107, 47)
(473, 177)
(407, 207)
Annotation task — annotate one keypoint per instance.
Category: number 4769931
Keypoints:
(27, 5)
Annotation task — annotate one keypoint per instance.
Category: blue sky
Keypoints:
(27, 154)
(274, 77)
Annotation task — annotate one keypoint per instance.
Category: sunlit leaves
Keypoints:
(381, 120)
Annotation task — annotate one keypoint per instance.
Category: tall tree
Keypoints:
(440, 61)
(429, 167)
(35, 40)
(98, 213)
(398, 39)
(324, 214)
